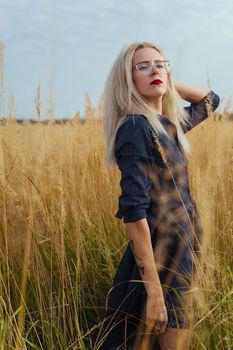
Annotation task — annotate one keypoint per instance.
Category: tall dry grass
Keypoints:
(60, 242)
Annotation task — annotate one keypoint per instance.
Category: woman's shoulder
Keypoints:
(135, 130)
(135, 125)
(136, 119)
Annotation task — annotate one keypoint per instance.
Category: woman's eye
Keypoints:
(145, 66)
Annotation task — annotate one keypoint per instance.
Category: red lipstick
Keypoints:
(156, 82)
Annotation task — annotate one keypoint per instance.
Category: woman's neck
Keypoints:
(156, 104)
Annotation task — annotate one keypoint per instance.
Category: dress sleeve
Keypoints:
(133, 152)
(199, 111)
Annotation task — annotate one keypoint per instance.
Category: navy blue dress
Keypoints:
(155, 186)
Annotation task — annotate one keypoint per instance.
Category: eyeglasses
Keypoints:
(146, 68)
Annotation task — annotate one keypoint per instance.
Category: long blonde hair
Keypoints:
(121, 98)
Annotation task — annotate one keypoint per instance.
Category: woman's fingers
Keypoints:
(151, 324)
(163, 327)
(157, 328)
(159, 324)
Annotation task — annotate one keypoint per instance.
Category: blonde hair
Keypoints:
(121, 98)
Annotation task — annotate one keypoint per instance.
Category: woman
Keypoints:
(149, 304)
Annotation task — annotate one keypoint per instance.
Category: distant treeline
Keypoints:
(45, 121)
(217, 116)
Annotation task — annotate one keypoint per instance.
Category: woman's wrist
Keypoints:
(156, 292)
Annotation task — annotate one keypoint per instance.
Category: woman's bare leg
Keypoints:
(174, 339)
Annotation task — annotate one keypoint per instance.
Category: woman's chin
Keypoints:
(156, 95)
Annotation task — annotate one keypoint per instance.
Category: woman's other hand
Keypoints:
(156, 313)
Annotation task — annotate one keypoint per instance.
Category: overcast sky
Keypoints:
(69, 46)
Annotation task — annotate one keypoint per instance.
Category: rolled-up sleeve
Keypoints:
(133, 152)
(199, 111)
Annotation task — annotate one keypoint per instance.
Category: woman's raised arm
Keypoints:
(201, 103)
(190, 93)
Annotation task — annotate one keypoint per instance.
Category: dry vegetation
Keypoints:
(60, 242)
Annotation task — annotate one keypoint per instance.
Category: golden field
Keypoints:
(60, 242)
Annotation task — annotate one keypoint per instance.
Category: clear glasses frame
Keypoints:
(147, 68)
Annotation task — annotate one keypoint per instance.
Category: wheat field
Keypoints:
(60, 242)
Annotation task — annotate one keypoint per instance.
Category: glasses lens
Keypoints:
(167, 65)
(144, 68)
(163, 66)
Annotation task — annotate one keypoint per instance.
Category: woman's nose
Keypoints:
(155, 70)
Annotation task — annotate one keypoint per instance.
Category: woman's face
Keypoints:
(148, 85)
